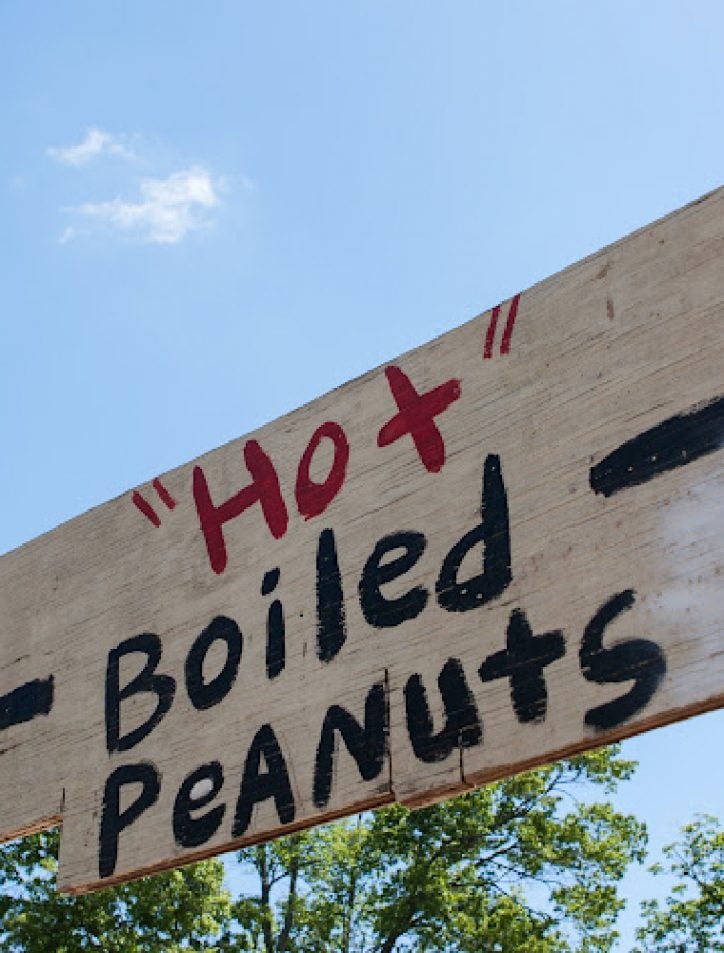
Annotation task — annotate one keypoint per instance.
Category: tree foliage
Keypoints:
(692, 919)
(521, 865)
(170, 912)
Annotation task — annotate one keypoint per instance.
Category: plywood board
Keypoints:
(501, 548)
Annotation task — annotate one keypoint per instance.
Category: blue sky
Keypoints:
(215, 212)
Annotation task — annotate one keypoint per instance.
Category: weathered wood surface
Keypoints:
(603, 620)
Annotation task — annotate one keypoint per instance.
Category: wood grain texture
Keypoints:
(481, 587)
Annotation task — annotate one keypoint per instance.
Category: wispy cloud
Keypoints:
(167, 211)
(157, 210)
(96, 143)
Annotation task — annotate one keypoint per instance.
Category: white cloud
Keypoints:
(167, 211)
(96, 143)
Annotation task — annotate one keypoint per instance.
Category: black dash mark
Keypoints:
(25, 703)
(670, 444)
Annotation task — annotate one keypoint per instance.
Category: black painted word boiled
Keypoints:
(379, 609)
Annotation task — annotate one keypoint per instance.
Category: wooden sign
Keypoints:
(500, 549)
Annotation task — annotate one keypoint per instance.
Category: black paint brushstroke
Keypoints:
(670, 444)
(639, 660)
(331, 627)
(463, 727)
(26, 702)
(522, 662)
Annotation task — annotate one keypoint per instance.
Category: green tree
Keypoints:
(692, 919)
(525, 864)
(170, 912)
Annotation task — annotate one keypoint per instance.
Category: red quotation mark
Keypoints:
(312, 498)
(507, 331)
(145, 507)
(416, 417)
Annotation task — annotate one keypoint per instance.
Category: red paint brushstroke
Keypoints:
(314, 498)
(164, 494)
(509, 325)
(264, 489)
(490, 336)
(416, 417)
(146, 508)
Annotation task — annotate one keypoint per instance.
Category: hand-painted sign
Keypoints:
(500, 549)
